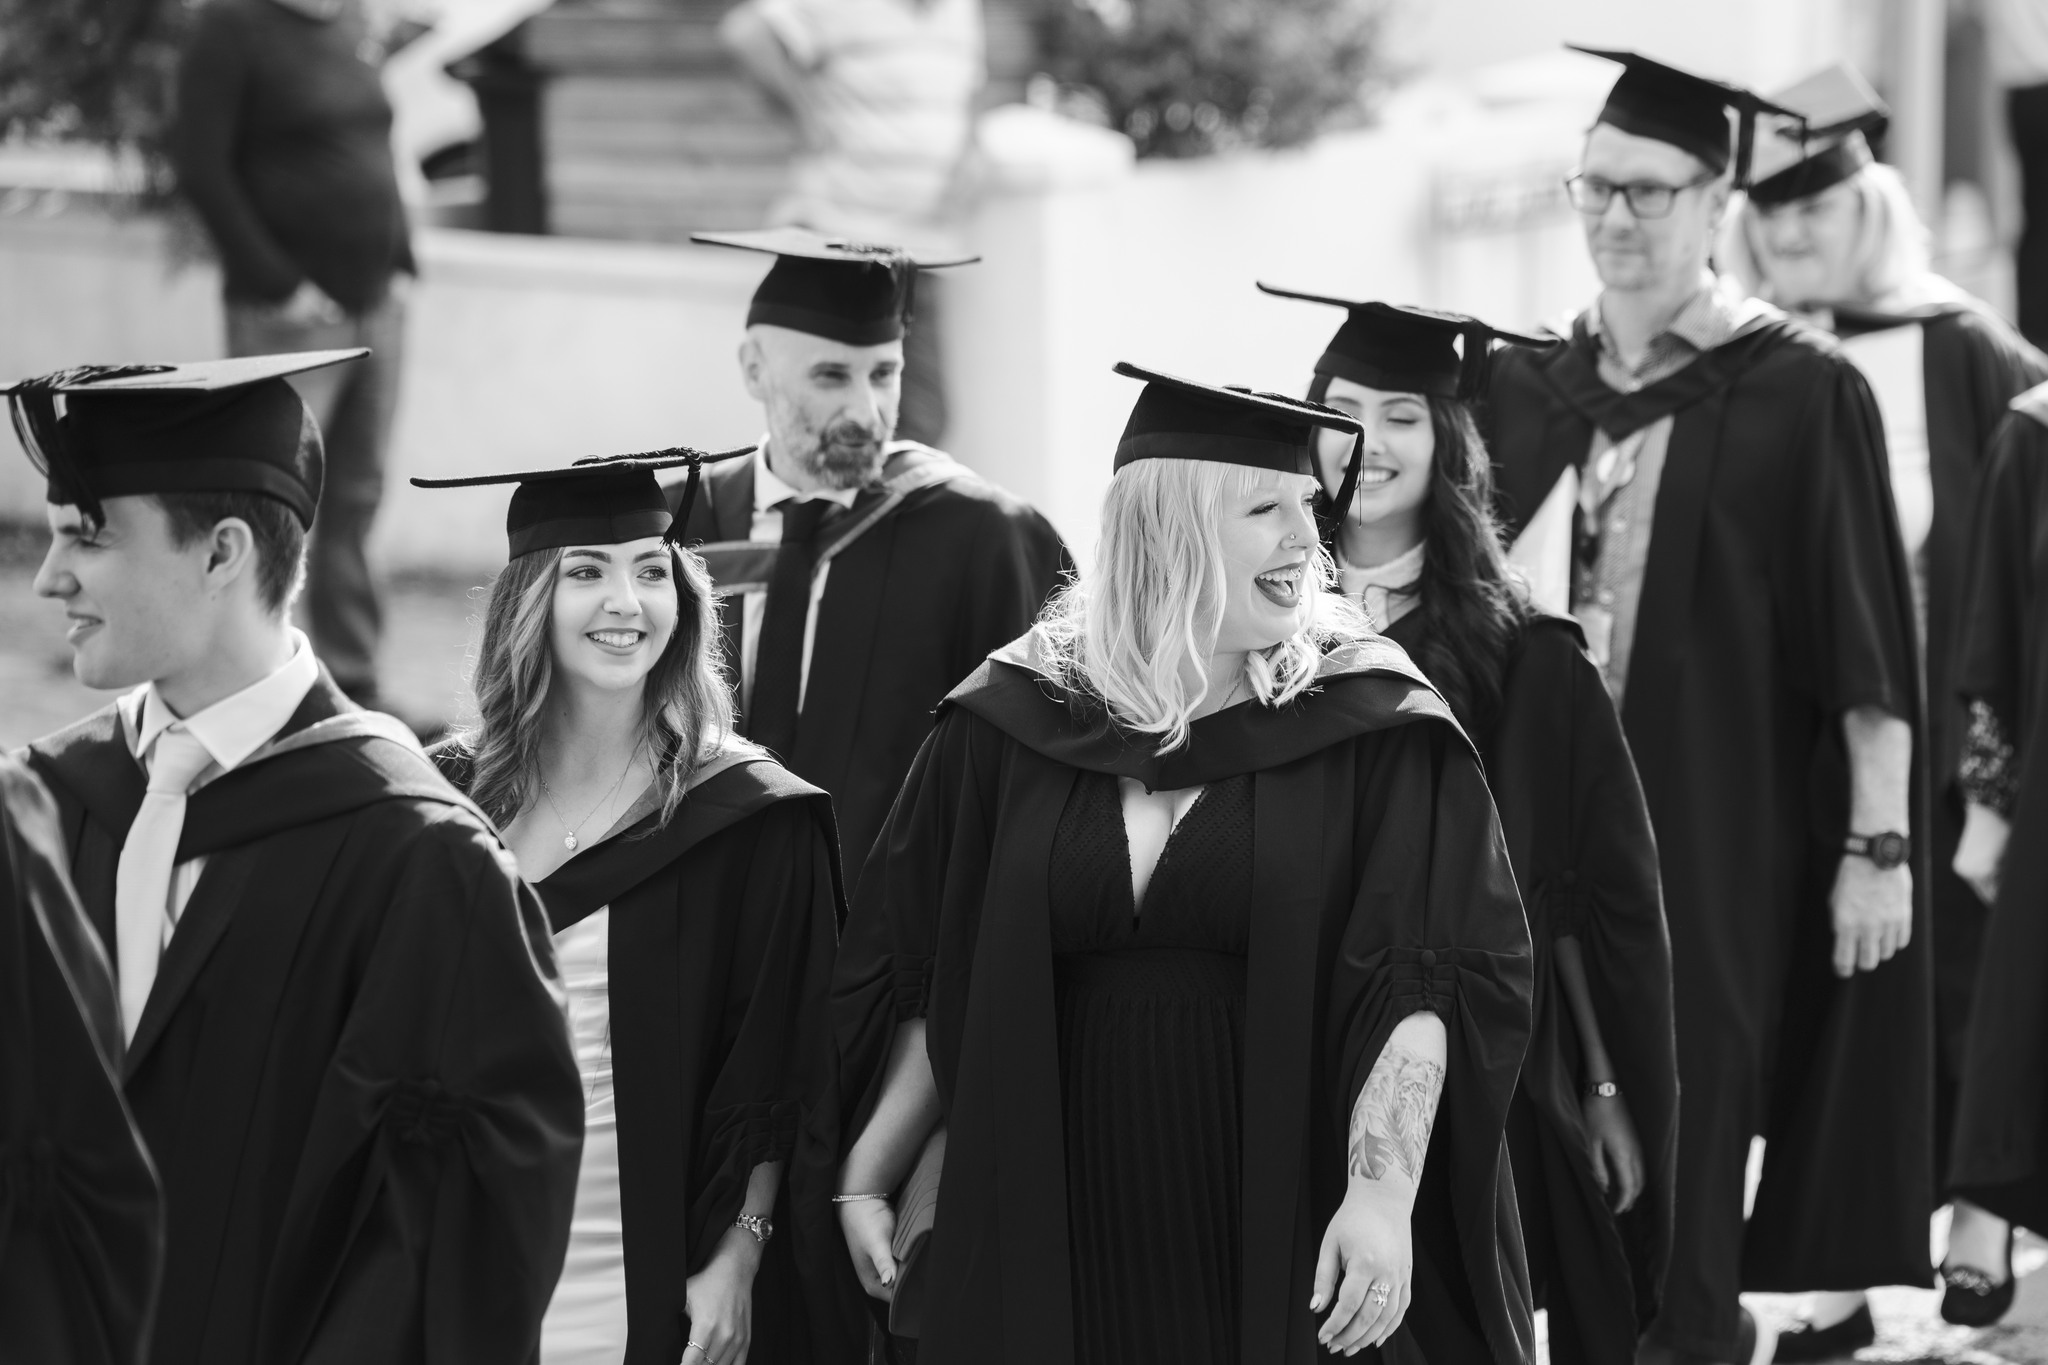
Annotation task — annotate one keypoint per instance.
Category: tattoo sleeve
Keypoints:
(1390, 1124)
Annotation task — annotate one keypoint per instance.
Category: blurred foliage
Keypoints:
(1188, 78)
(93, 70)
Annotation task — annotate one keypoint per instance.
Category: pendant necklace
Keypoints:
(569, 840)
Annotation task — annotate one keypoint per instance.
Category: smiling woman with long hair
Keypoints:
(1192, 931)
(692, 887)
(1592, 1126)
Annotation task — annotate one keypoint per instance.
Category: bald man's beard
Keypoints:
(845, 454)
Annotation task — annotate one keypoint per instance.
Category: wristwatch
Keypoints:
(1885, 851)
(1603, 1090)
(759, 1226)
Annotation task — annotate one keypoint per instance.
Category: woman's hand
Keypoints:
(870, 1228)
(719, 1300)
(1366, 1250)
(1982, 850)
(1614, 1149)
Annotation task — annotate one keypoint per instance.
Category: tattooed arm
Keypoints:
(1367, 1247)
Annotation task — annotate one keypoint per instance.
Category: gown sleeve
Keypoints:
(1020, 560)
(81, 1216)
(1995, 629)
(775, 1026)
(1844, 608)
(1436, 924)
(431, 1216)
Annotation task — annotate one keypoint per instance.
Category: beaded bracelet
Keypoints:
(855, 1198)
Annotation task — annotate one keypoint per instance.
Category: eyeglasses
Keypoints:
(1646, 198)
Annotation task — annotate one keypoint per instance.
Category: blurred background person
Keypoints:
(1593, 1128)
(883, 93)
(2018, 31)
(2000, 1164)
(282, 142)
(865, 575)
(1708, 483)
(692, 888)
(1831, 233)
(1191, 921)
(81, 1212)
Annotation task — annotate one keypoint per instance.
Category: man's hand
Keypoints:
(309, 304)
(1982, 850)
(1873, 914)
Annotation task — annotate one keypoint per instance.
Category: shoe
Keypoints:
(1845, 1338)
(1970, 1298)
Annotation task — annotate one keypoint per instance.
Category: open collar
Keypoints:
(236, 726)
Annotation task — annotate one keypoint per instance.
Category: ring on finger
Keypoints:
(699, 1347)
(1381, 1292)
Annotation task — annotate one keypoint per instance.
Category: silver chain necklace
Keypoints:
(569, 840)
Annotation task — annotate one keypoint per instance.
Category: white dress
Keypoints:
(586, 1318)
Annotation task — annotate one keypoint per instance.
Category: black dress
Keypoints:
(1151, 1045)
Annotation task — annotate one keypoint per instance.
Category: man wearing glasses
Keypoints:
(1703, 482)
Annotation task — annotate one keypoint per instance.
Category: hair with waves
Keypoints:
(1892, 250)
(1135, 633)
(1471, 604)
(687, 710)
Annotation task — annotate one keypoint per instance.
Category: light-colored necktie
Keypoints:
(142, 881)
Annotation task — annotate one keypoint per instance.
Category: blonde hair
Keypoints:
(1136, 632)
(687, 710)
(1892, 251)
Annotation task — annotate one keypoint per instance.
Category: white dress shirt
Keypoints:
(230, 730)
(769, 493)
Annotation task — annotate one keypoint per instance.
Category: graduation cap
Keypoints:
(1398, 348)
(859, 293)
(1839, 114)
(601, 500)
(1690, 112)
(1183, 419)
(214, 426)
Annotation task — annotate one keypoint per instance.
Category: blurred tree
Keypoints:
(95, 70)
(1186, 78)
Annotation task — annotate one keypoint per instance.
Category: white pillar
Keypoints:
(1918, 44)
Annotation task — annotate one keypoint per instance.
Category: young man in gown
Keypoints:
(1594, 1126)
(1703, 483)
(695, 901)
(864, 576)
(344, 1036)
(81, 1214)
(1832, 233)
(2000, 1161)
(1218, 981)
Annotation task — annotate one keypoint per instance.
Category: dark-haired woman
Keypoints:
(693, 890)
(1592, 1127)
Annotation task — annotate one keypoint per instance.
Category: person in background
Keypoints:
(2018, 32)
(1594, 1124)
(81, 1210)
(344, 1037)
(2000, 1160)
(282, 143)
(870, 574)
(1830, 232)
(883, 93)
(1194, 927)
(1703, 483)
(693, 889)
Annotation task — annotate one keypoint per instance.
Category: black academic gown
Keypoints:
(1775, 599)
(1579, 837)
(929, 573)
(1384, 890)
(81, 1214)
(2001, 1143)
(723, 922)
(353, 1069)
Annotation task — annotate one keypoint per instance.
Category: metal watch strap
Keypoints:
(759, 1226)
(1605, 1090)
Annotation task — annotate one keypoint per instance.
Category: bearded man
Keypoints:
(870, 575)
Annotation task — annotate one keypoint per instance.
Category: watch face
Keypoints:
(1888, 850)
